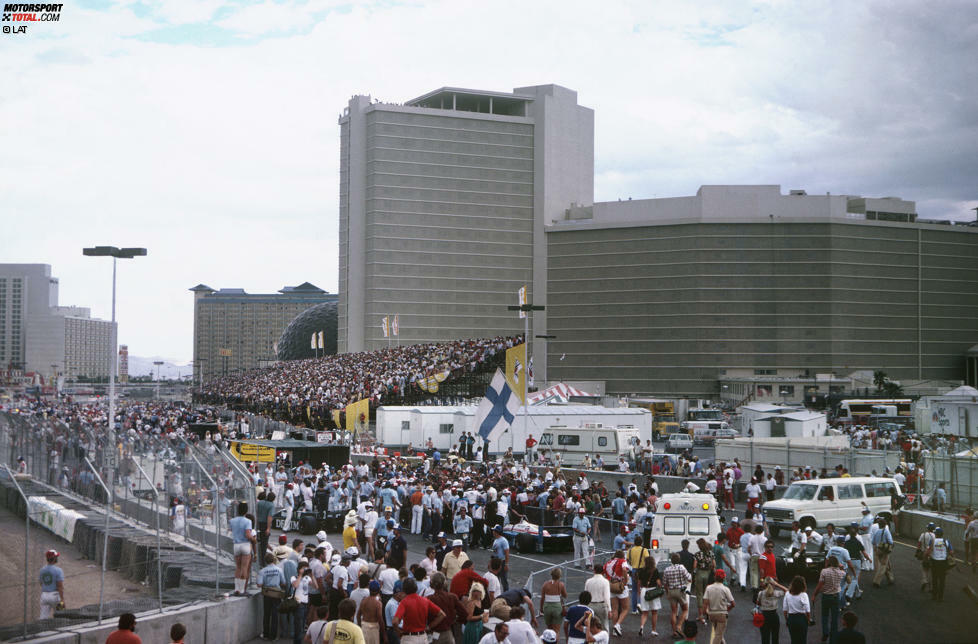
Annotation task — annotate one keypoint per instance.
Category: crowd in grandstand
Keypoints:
(310, 389)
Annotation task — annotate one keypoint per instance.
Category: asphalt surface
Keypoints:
(900, 612)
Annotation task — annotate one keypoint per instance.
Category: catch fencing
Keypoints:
(141, 518)
(791, 455)
(958, 475)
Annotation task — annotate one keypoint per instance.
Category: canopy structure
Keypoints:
(559, 393)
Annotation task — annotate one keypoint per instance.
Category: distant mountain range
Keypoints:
(169, 370)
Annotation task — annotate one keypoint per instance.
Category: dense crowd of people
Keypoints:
(308, 391)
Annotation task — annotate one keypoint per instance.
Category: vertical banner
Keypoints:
(353, 413)
(395, 326)
(516, 369)
(336, 417)
(521, 299)
(312, 341)
(320, 341)
(385, 326)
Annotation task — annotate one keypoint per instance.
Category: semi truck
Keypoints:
(664, 420)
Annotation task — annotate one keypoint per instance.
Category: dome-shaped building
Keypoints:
(295, 343)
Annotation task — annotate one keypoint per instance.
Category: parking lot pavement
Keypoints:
(898, 613)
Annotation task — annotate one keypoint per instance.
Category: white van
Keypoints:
(574, 443)
(683, 516)
(837, 500)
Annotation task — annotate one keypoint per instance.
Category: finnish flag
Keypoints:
(498, 409)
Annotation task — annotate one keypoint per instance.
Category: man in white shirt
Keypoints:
(753, 490)
(520, 632)
(600, 589)
(499, 635)
(814, 540)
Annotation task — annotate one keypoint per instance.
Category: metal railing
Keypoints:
(121, 495)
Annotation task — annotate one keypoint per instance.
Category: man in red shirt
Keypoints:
(767, 565)
(450, 604)
(416, 615)
(126, 633)
(462, 581)
(530, 444)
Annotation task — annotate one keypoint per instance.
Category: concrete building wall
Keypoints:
(665, 308)
(26, 290)
(442, 209)
(247, 325)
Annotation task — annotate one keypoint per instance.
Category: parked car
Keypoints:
(679, 443)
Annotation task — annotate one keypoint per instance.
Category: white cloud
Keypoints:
(223, 160)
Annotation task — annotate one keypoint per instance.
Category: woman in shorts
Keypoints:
(616, 570)
(552, 596)
(243, 537)
(649, 578)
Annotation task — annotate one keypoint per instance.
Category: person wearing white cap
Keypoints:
(453, 560)
(548, 636)
(582, 528)
(52, 580)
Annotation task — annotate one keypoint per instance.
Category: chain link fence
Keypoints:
(140, 521)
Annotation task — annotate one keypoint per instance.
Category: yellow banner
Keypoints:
(336, 416)
(516, 369)
(247, 452)
(354, 411)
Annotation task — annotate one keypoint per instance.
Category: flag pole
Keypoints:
(526, 378)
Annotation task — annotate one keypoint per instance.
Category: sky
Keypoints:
(207, 131)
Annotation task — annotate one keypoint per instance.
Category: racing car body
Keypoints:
(528, 537)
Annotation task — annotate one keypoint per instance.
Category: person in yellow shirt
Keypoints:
(343, 629)
(350, 530)
(637, 556)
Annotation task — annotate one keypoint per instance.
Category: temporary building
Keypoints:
(398, 426)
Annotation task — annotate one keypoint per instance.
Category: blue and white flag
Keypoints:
(498, 409)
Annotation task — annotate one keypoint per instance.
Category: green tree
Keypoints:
(880, 380)
(892, 389)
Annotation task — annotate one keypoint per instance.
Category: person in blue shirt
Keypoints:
(500, 550)
(582, 527)
(436, 457)
(52, 580)
(462, 525)
(574, 615)
(618, 543)
(542, 499)
(839, 551)
(270, 579)
(243, 536)
(618, 507)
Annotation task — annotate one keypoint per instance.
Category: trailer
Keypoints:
(398, 427)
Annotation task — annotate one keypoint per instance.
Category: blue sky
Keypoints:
(206, 131)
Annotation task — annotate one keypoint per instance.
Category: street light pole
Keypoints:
(114, 253)
(528, 309)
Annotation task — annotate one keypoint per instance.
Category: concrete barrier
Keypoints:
(231, 621)
(913, 522)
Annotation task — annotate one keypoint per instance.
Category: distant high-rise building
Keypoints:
(235, 330)
(38, 335)
(25, 290)
(443, 203)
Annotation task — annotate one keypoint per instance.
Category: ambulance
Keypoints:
(683, 516)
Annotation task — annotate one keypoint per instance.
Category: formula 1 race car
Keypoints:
(307, 522)
(525, 537)
(807, 564)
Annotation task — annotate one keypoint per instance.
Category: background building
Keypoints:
(26, 290)
(235, 330)
(668, 295)
(443, 202)
(451, 201)
(39, 336)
